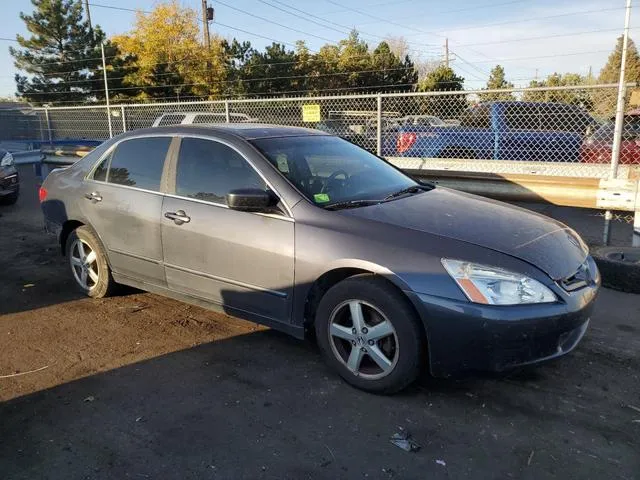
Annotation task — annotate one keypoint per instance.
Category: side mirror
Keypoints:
(251, 200)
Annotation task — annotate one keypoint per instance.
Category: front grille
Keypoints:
(578, 280)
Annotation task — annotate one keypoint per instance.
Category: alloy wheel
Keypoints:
(84, 264)
(363, 339)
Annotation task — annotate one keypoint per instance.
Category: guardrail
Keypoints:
(585, 186)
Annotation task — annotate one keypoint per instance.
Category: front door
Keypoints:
(236, 259)
(122, 199)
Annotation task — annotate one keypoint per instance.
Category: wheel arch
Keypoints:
(71, 225)
(67, 227)
(340, 271)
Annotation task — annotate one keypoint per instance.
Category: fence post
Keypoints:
(635, 241)
(619, 125)
(379, 127)
(226, 110)
(46, 114)
(124, 119)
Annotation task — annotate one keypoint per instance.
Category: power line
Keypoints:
(400, 25)
(531, 19)
(329, 22)
(544, 37)
(274, 23)
(240, 80)
(441, 12)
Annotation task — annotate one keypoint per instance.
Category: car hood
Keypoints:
(547, 244)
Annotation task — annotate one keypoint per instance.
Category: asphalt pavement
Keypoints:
(139, 386)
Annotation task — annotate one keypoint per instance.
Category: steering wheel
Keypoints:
(332, 178)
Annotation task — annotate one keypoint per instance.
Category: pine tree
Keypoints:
(497, 81)
(442, 78)
(61, 56)
(610, 73)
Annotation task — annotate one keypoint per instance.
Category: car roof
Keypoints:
(247, 131)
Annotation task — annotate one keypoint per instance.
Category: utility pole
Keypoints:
(205, 24)
(86, 9)
(617, 132)
(446, 52)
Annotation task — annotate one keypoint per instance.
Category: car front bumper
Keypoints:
(9, 181)
(466, 337)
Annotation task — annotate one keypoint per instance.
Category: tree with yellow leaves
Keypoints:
(170, 59)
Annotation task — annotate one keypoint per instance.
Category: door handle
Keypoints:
(93, 196)
(178, 217)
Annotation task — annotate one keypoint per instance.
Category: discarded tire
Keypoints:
(619, 267)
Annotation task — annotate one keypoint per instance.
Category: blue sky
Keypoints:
(526, 37)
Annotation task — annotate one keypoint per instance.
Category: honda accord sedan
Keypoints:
(305, 232)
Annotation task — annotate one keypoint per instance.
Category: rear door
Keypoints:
(122, 199)
(237, 259)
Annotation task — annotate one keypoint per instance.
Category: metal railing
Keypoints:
(564, 132)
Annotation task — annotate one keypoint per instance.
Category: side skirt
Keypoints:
(293, 330)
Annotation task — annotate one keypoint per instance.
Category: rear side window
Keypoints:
(522, 116)
(135, 163)
(172, 119)
(477, 117)
(100, 173)
(563, 118)
(208, 170)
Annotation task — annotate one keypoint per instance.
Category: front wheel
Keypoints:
(88, 263)
(369, 333)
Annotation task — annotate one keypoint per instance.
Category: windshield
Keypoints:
(329, 170)
(631, 131)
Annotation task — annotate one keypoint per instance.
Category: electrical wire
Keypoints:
(345, 29)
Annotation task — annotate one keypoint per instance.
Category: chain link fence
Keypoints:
(561, 129)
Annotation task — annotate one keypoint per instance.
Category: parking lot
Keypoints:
(140, 386)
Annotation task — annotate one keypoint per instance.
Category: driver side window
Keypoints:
(208, 170)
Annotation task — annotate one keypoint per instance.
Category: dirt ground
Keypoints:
(140, 386)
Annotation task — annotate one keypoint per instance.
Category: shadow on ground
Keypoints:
(263, 405)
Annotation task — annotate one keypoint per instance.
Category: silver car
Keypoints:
(303, 231)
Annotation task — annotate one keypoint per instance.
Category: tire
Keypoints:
(619, 267)
(105, 285)
(404, 349)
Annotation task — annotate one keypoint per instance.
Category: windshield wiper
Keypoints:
(351, 204)
(411, 189)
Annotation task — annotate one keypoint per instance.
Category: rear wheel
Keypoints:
(88, 263)
(369, 333)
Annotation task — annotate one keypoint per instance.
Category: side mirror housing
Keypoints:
(251, 200)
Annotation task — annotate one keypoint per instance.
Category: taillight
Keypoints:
(405, 141)
(42, 194)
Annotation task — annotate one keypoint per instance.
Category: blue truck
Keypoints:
(533, 131)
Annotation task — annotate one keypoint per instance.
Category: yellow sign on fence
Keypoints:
(311, 113)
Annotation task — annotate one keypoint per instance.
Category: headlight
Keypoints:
(7, 160)
(494, 286)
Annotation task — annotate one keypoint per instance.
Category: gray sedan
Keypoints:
(303, 231)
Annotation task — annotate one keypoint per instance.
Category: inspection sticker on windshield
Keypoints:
(283, 166)
(321, 197)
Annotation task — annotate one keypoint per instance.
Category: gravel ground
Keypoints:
(140, 386)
